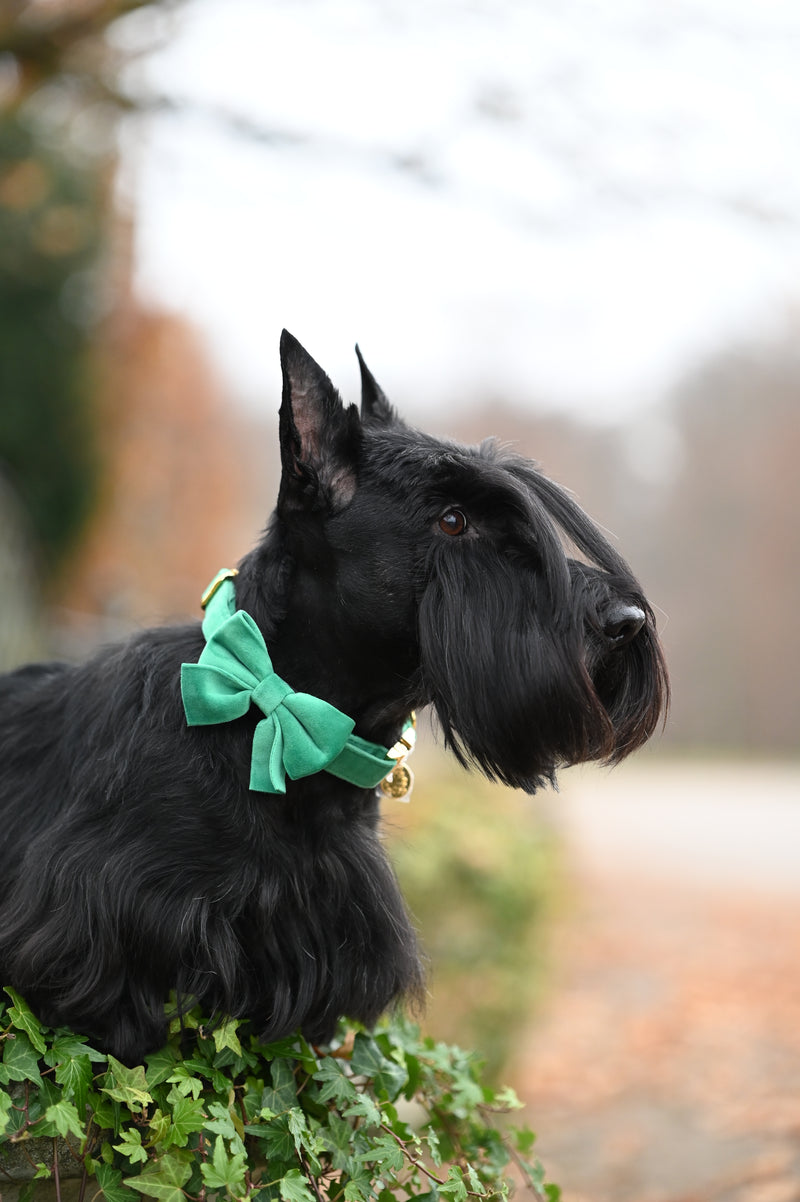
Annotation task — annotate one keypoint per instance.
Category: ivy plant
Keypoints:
(375, 1116)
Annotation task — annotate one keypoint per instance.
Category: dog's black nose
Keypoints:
(621, 623)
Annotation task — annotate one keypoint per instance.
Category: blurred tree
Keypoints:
(728, 557)
(48, 240)
(54, 67)
(61, 43)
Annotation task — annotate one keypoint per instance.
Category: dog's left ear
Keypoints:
(375, 406)
(319, 437)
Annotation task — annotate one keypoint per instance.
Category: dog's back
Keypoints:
(32, 754)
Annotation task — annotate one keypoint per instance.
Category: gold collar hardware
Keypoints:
(225, 574)
(400, 781)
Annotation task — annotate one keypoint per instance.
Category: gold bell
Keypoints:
(398, 784)
(400, 781)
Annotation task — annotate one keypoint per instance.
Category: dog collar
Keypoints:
(299, 734)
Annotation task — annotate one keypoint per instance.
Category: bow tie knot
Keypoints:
(269, 693)
(299, 734)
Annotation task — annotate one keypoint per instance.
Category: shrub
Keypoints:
(216, 1115)
(480, 869)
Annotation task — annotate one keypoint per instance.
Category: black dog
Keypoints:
(397, 571)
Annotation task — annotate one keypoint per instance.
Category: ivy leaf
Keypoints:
(467, 1094)
(110, 1182)
(67, 1044)
(534, 1171)
(226, 1170)
(131, 1146)
(164, 1181)
(506, 1099)
(48, 1095)
(20, 1059)
(159, 1065)
(128, 1086)
(432, 1140)
(187, 1118)
(278, 1139)
(524, 1139)
(367, 1058)
(293, 1047)
(365, 1107)
(189, 1020)
(74, 1074)
(159, 1129)
(359, 1186)
(5, 1110)
(22, 1017)
(384, 1151)
(335, 1085)
(222, 1121)
(65, 1119)
(192, 1064)
(414, 1070)
(454, 1187)
(225, 1036)
(282, 1094)
(294, 1187)
(305, 1142)
(182, 1078)
(106, 1113)
(474, 1180)
(369, 1061)
(338, 1137)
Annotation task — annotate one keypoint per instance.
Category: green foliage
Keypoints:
(216, 1115)
(49, 217)
(479, 869)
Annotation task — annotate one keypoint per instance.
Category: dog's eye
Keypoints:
(453, 521)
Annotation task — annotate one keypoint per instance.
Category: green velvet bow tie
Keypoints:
(299, 734)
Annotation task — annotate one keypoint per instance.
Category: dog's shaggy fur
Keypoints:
(397, 571)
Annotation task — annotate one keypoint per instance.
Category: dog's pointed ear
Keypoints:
(375, 407)
(319, 436)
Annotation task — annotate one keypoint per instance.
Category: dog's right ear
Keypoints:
(375, 406)
(319, 437)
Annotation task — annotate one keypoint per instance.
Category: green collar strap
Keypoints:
(299, 734)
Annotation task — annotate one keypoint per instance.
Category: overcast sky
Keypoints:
(559, 201)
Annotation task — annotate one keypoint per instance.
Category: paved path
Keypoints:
(665, 1066)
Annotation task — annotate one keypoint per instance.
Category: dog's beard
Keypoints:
(521, 683)
(506, 673)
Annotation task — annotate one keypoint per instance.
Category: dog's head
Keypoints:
(425, 572)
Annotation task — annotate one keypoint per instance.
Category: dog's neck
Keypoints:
(378, 686)
(301, 734)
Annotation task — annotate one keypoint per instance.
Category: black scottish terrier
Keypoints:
(149, 838)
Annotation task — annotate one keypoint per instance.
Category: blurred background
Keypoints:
(577, 227)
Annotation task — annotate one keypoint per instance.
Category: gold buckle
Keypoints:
(406, 743)
(225, 574)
